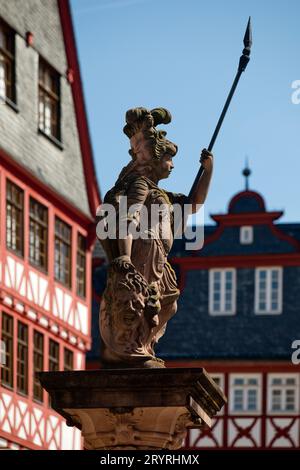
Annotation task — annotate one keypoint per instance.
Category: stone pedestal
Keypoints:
(134, 408)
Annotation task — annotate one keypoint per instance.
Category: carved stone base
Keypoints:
(134, 408)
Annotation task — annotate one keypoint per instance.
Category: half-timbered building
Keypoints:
(49, 197)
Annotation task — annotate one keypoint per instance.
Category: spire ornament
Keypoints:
(246, 172)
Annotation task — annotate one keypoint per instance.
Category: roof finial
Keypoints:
(246, 173)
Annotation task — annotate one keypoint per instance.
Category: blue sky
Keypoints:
(183, 55)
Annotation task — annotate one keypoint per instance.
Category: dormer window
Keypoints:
(246, 235)
(49, 101)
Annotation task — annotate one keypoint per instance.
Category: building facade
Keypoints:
(239, 318)
(49, 197)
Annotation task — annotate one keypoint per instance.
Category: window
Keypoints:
(49, 100)
(80, 268)
(7, 63)
(22, 358)
(14, 218)
(62, 252)
(245, 394)
(53, 360)
(2, 353)
(68, 359)
(7, 338)
(283, 394)
(246, 235)
(222, 287)
(38, 363)
(38, 234)
(268, 290)
(53, 356)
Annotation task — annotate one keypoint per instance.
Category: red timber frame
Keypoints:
(43, 406)
(80, 224)
(244, 424)
(56, 207)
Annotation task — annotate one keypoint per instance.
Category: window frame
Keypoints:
(283, 388)
(222, 311)
(68, 366)
(8, 351)
(246, 229)
(245, 388)
(18, 207)
(61, 240)
(81, 266)
(9, 55)
(22, 358)
(44, 226)
(53, 360)
(40, 354)
(46, 94)
(268, 299)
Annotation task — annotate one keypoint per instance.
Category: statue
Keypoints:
(140, 408)
(141, 293)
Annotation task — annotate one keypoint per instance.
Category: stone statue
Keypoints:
(141, 293)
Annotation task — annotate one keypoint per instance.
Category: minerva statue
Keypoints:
(141, 292)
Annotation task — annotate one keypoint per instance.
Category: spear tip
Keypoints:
(248, 34)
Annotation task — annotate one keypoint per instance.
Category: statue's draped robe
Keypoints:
(130, 338)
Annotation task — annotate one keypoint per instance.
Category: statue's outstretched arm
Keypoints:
(198, 197)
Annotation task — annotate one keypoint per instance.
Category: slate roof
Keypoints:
(291, 229)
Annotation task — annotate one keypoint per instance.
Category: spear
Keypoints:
(244, 59)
